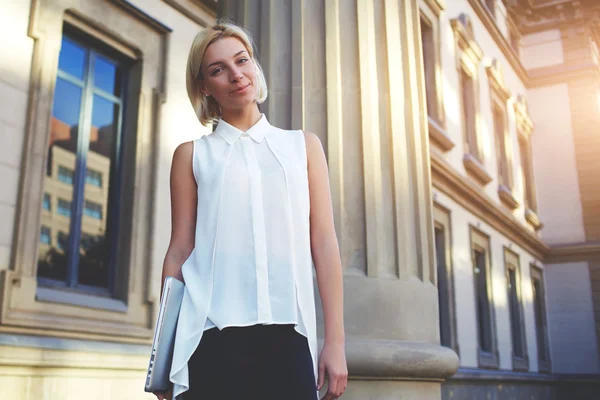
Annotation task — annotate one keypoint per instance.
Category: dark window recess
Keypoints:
(443, 289)
(484, 319)
(515, 315)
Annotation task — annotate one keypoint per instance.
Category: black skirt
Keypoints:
(262, 362)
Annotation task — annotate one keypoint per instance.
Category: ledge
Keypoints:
(507, 198)
(503, 376)
(471, 196)
(438, 136)
(476, 170)
(533, 219)
(573, 252)
(399, 360)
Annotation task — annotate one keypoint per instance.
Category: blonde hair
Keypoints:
(206, 107)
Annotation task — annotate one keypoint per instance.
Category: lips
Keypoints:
(241, 89)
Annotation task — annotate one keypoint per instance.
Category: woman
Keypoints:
(251, 212)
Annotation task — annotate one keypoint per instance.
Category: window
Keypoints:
(93, 178)
(515, 307)
(445, 284)
(524, 130)
(541, 325)
(468, 58)
(85, 134)
(101, 291)
(47, 202)
(64, 207)
(45, 235)
(526, 171)
(65, 175)
(480, 253)
(499, 96)
(469, 113)
(500, 133)
(93, 210)
(432, 69)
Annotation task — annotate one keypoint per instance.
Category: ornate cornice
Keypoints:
(465, 37)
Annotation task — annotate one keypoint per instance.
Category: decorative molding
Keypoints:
(438, 136)
(476, 170)
(496, 80)
(507, 198)
(471, 196)
(562, 73)
(437, 6)
(533, 219)
(196, 10)
(142, 16)
(465, 38)
(492, 27)
(524, 122)
(573, 252)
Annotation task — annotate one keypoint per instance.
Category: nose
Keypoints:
(236, 75)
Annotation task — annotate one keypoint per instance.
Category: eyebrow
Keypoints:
(221, 62)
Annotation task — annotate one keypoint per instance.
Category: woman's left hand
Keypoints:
(333, 363)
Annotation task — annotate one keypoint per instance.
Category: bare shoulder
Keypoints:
(182, 164)
(314, 147)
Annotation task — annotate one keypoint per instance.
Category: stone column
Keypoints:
(350, 72)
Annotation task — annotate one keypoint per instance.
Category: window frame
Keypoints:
(429, 11)
(524, 132)
(512, 262)
(537, 273)
(492, 9)
(499, 97)
(26, 304)
(442, 221)
(480, 242)
(468, 59)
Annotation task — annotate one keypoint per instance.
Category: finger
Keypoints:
(321, 379)
(333, 385)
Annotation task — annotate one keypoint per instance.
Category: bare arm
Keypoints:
(326, 256)
(184, 200)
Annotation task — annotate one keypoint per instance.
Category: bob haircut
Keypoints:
(206, 107)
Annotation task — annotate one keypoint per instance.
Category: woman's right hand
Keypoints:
(164, 394)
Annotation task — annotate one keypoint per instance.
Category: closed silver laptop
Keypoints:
(161, 356)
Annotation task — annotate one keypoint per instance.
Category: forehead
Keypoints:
(223, 49)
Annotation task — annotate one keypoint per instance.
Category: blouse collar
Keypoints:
(230, 133)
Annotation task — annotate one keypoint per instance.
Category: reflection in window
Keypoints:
(469, 113)
(65, 175)
(541, 325)
(47, 202)
(93, 210)
(45, 235)
(64, 207)
(88, 83)
(93, 178)
(62, 241)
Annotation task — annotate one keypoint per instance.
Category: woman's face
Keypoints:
(229, 74)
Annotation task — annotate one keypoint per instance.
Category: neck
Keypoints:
(243, 118)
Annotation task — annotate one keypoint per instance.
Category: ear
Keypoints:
(202, 87)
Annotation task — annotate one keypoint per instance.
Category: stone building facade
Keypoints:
(461, 136)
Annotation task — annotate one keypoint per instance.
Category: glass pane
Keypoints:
(96, 237)
(58, 182)
(106, 76)
(483, 304)
(72, 58)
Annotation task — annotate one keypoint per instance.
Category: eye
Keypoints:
(216, 71)
(242, 60)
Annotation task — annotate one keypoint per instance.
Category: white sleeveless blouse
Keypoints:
(252, 262)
